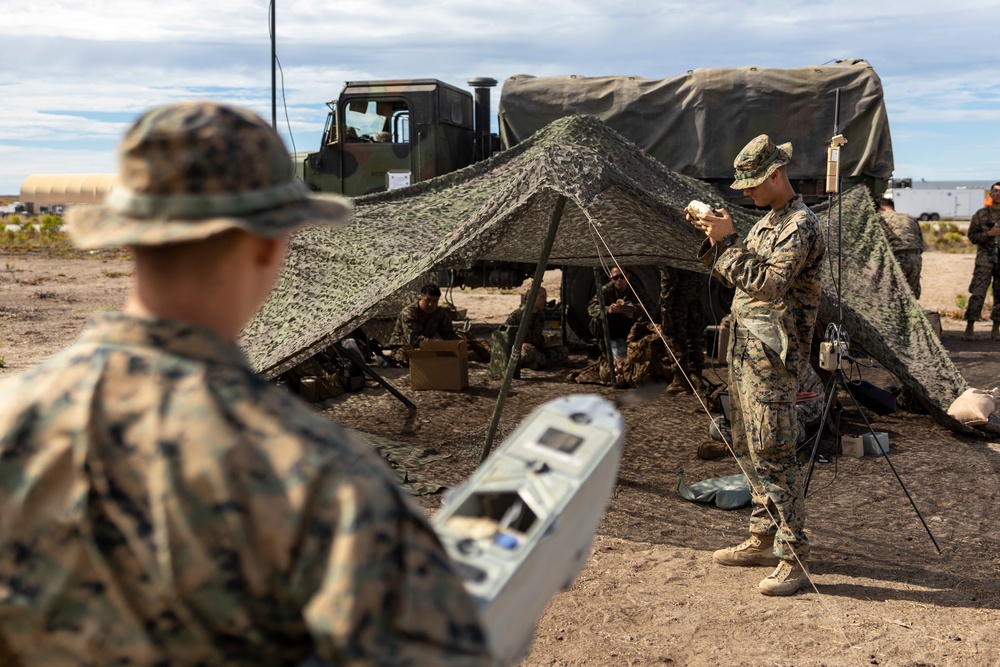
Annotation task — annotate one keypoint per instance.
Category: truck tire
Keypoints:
(580, 289)
(935, 217)
(925, 217)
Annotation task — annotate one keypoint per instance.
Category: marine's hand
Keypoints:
(993, 231)
(716, 227)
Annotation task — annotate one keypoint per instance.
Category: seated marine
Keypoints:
(535, 354)
(423, 320)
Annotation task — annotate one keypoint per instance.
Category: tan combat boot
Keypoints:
(968, 330)
(787, 578)
(757, 550)
(995, 333)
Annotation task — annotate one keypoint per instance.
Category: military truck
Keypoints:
(381, 134)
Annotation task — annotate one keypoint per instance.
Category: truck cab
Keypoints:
(403, 131)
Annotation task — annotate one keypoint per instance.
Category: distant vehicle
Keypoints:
(938, 203)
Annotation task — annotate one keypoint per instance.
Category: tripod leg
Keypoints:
(891, 467)
(831, 395)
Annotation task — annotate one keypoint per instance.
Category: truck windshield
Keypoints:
(377, 121)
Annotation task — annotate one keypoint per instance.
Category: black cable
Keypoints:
(281, 71)
(284, 104)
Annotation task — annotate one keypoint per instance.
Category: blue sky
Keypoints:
(74, 74)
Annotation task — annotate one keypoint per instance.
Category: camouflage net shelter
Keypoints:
(620, 203)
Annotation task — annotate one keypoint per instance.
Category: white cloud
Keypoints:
(48, 161)
(99, 63)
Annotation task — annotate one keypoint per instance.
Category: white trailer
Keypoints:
(938, 203)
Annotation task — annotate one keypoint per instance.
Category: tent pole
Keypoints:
(608, 351)
(522, 328)
(564, 311)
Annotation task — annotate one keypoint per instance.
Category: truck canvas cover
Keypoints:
(619, 202)
(696, 123)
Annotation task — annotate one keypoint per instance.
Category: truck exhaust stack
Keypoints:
(481, 86)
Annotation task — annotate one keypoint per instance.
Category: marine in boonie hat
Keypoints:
(757, 160)
(191, 170)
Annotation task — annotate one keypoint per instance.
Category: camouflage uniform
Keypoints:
(539, 355)
(681, 316)
(987, 265)
(619, 324)
(647, 360)
(195, 514)
(162, 504)
(414, 325)
(907, 244)
(776, 273)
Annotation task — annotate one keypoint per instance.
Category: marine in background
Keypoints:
(682, 321)
(535, 353)
(905, 240)
(420, 321)
(625, 305)
(984, 228)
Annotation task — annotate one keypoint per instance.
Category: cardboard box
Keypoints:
(440, 365)
(852, 445)
(864, 445)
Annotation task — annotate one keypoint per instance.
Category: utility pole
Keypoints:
(274, 62)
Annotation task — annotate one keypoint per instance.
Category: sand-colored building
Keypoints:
(47, 191)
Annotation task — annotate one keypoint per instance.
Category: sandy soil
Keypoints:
(650, 594)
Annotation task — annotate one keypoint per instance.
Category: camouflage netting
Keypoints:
(877, 308)
(500, 209)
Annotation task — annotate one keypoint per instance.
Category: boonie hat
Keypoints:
(190, 170)
(757, 160)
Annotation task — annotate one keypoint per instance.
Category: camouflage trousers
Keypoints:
(684, 329)
(912, 263)
(765, 431)
(982, 276)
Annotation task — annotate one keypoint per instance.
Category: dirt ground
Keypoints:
(650, 594)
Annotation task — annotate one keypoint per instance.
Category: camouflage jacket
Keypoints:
(679, 287)
(414, 325)
(634, 295)
(902, 230)
(535, 335)
(163, 505)
(776, 272)
(986, 246)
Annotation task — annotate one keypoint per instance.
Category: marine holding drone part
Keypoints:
(776, 272)
(698, 209)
